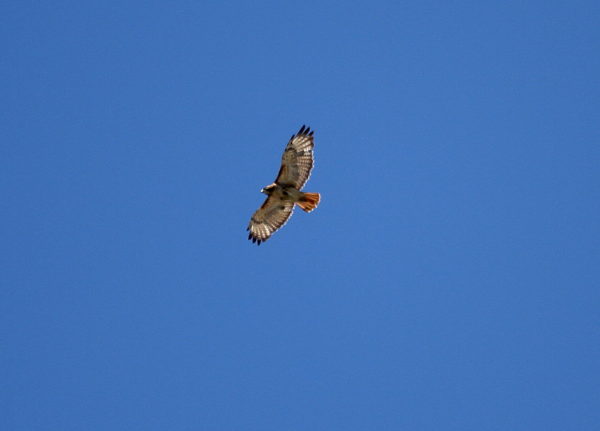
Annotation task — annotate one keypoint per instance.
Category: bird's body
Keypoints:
(296, 165)
(283, 192)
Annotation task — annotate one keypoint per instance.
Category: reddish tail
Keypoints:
(309, 201)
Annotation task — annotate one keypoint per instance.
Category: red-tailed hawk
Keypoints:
(284, 193)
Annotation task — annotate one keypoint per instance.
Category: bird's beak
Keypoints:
(262, 190)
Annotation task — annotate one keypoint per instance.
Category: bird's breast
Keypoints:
(289, 194)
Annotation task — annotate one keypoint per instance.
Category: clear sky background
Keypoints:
(449, 280)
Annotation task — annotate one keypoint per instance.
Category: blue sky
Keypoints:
(449, 280)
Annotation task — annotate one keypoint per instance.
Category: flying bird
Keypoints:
(296, 164)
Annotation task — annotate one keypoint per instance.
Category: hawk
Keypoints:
(296, 164)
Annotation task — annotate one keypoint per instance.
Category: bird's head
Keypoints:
(268, 189)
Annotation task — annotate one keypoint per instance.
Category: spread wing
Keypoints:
(297, 160)
(272, 215)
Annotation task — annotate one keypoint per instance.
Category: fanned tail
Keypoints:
(309, 201)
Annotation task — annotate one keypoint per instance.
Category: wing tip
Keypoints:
(304, 131)
(255, 239)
